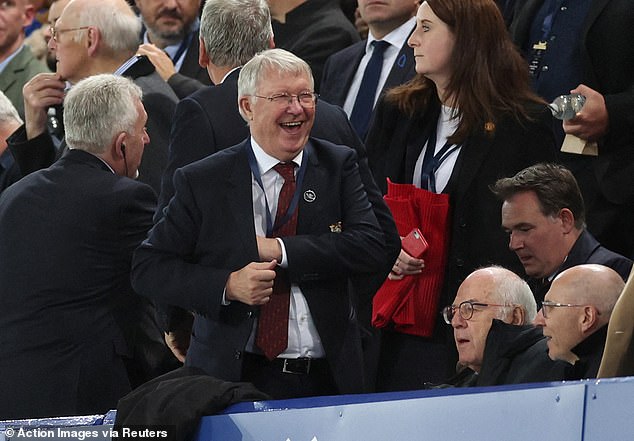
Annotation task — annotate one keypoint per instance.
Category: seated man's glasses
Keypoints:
(55, 33)
(547, 307)
(305, 99)
(465, 309)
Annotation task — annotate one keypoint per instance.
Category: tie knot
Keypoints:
(379, 47)
(286, 170)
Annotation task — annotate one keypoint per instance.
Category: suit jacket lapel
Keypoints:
(315, 181)
(239, 200)
(471, 156)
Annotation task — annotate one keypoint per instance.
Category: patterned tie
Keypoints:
(272, 335)
(363, 105)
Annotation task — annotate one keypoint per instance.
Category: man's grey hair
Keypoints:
(233, 31)
(8, 114)
(510, 289)
(275, 60)
(119, 27)
(97, 109)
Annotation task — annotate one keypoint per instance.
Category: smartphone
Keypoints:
(414, 243)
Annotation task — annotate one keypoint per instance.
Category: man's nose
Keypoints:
(514, 242)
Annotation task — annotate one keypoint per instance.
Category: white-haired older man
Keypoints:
(67, 311)
(492, 318)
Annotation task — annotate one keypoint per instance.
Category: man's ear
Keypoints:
(93, 38)
(203, 57)
(272, 42)
(245, 106)
(589, 319)
(567, 220)
(118, 148)
(29, 15)
(518, 315)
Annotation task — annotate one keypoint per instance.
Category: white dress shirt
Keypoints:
(303, 338)
(397, 39)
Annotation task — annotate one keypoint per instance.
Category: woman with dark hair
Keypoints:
(471, 103)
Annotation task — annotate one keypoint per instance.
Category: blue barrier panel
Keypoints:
(549, 412)
(592, 410)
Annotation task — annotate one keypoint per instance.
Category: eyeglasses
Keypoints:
(305, 99)
(465, 309)
(547, 305)
(57, 32)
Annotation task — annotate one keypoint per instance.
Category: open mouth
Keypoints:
(292, 126)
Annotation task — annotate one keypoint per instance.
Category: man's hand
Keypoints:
(178, 342)
(269, 249)
(161, 61)
(252, 284)
(406, 265)
(592, 122)
(41, 92)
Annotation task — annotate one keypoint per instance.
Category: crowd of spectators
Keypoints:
(174, 190)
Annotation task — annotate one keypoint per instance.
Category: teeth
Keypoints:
(292, 124)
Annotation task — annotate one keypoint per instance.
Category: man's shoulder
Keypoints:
(588, 250)
(347, 54)
(216, 97)
(219, 163)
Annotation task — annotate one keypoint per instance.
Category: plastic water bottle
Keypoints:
(567, 106)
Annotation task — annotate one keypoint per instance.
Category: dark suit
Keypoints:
(476, 237)
(67, 310)
(192, 250)
(159, 102)
(341, 67)
(208, 121)
(585, 250)
(190, 77)
(313, 31)
(606, 57)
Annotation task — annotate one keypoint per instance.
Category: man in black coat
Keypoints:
(543, 212)
(67, 310)
(492, 319)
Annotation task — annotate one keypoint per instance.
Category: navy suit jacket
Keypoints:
(207, 231)
(341, 67)
(208, 121)
(67, 309)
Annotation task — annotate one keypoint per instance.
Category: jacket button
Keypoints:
(250, 313)
(459, 262)
(237, 355)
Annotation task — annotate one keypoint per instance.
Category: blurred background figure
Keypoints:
(170, 40)
(17, 62)
(312, 30)
(9, 122)
(583, 47)
(467, 119)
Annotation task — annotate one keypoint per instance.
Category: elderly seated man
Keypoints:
(575, 315)
(492, 318)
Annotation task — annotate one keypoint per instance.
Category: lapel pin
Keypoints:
(310, 196)
(335, 228)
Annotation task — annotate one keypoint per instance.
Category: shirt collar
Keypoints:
(266, 162)
(397, 37)
(7, 60)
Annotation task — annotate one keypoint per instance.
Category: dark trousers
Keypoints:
(269, 377)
